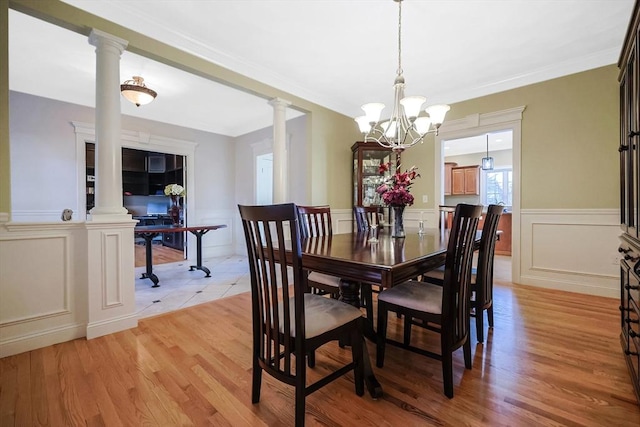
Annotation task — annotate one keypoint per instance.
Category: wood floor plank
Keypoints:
(553, 359)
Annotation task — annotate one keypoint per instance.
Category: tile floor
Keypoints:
(180, 288)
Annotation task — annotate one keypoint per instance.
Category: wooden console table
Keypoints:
(149, 232)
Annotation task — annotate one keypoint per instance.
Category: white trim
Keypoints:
(110, 326)
(41, 339)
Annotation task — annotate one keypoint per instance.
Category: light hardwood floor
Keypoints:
(553, 359)
(160, 254)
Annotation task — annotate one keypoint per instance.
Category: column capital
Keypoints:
(97, 37)
(279, 103)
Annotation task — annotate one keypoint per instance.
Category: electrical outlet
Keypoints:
(425, 199)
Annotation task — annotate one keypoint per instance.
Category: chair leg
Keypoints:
(300, 384)
(466, 349)
(408, 320)
(490, 315)
(256, 381)
(447, 372)
(381, 333)
(357, 348)
(479, 323)
(366, 295)
(311, 358)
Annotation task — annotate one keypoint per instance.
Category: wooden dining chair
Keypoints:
(315, 221)
(288, 322)
(482, 274)
(364, 216)
(444, 309)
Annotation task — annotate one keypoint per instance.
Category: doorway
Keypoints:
(482, 124)
(264, 179)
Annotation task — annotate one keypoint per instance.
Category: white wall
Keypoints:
(43, 159)
(260, 142)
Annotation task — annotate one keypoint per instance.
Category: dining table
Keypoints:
(150, 232)
(387, 261)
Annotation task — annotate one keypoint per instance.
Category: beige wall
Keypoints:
(570, 138)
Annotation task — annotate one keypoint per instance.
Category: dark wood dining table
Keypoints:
(389, 261)
(149, 232)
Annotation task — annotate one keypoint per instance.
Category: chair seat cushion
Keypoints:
(322, 314)
(325, 279)
(437, 275)
(419, 296)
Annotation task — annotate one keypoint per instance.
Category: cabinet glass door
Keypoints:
(367, 158)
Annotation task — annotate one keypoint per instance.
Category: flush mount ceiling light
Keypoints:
(137, 92)
(487, 162)
(405, 127)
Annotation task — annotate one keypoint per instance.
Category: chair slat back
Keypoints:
(484, 274)
(364, 216)
(457, 274)
(314, 221)
(278, 316)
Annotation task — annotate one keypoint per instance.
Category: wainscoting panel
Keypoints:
(42, 296)
(216, 242)
(571, 250)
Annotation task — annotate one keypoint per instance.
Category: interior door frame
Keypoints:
(477, 124)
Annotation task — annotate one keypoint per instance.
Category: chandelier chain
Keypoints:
(399, 72)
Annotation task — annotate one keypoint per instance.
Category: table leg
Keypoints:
(350, 293)
(148, 237)
(199, 266)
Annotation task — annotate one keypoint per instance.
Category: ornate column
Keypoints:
(111, 304)
(108, 126)
(280, 165)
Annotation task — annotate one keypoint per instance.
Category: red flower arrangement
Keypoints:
(395, 188)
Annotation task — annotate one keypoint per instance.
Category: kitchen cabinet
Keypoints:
(503, 245)
(448, 168)
(367, 158)
(465, 180)
(90, 189)
(137, 180)
(629, 151)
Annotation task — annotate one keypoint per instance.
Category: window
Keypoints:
(497, 187)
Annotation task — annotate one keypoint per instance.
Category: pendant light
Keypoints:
(137, 92)
(487, 162)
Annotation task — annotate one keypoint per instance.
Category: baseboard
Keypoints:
(607, 288)
(110, 326)
(41, 339)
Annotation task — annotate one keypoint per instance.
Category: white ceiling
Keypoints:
(336, 53)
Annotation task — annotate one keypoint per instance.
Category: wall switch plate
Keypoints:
(425, 199)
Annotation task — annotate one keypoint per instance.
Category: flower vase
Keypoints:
(174, 211)
(397, 230)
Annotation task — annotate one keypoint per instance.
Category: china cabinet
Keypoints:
(629, 198)
(367, 158)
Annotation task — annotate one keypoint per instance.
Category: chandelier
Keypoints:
(137, 92)
(405, 127)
